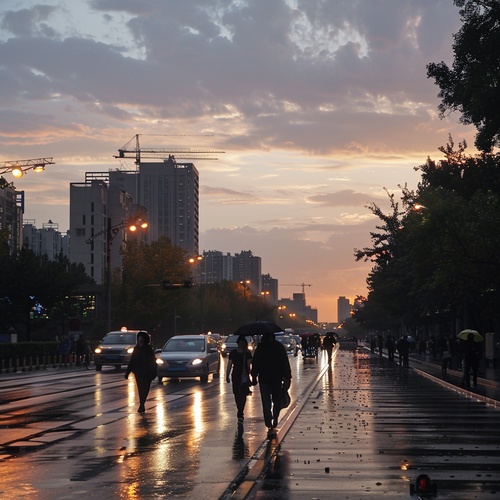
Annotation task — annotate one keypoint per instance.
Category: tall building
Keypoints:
(11, 215)
(168, 190)
(343, 309)
(297, 306)
(45, 241)
(270, 288)
(170, 193)
(247, 267)
(216, 266)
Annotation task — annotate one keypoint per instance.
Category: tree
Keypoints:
(471, 86)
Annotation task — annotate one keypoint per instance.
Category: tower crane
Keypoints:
(133, 149)
(303, 285)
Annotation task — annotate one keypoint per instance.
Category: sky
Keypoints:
(321, 107)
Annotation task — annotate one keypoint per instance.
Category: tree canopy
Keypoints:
(436, 254)
(471, 85)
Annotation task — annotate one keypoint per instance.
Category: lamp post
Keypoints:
(197, 275)
(245, 286)
(132, 224)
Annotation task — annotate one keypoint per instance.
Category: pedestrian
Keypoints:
(391, 347)
(471, 361)
(87, 353)
(79, 350)
(65, 349)
(143, 365)
(329, 343)
(446, 355)
(238, 372)
(403, 347)
(380, 342)
(271, 370)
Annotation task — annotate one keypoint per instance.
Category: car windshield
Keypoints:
(185, 345)
(120, 338)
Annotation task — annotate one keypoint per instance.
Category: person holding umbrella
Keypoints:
(271, 370)
(238, 372)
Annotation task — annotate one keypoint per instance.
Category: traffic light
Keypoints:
(169, 285)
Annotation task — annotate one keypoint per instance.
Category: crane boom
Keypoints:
(303, 285)
(133, 149)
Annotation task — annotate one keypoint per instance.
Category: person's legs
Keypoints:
(240, 400)
(265, 396)
(276, 389)
(143, 385)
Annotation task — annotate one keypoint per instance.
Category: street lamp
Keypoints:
(19, 167)
(245, 284)
(197, 275)
(137, 221)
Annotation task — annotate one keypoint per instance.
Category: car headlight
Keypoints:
(98, 350)
(130, 350)
(159, 361)
(250, 347)
(223, 346)
(196, 361)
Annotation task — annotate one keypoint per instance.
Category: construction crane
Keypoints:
(303, 285)
(133, 149)
(19, 167)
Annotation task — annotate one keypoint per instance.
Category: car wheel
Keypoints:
(98, 368)
(204, 377)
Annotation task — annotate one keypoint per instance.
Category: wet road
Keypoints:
(76, 433)
(369, 428)
(366, 428)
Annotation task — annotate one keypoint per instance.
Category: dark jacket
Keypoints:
(270, 363)
(142, 362)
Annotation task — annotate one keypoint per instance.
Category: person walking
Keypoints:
(79, 350)
(391, 347)
(471, 361)
(329, 343)
(238, 372)
(143, 365)
(271, 370)
(446, 355)
(403, 347)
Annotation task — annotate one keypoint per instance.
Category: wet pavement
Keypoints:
(363, 428)
(369, 428)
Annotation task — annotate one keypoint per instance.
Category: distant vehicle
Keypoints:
(189, 356)
(231, 343)
(297, 343)
(289, 342)
(115, 348)
(347, 343)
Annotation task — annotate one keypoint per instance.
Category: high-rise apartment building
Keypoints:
(247, 268)
(170, 193)
(343, 309)
(45, 241)
(216, 266)
(168, 190)
(270, 288)
(11, 216)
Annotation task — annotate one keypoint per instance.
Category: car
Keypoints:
(115, 348)
(189, 356)
(231, 343)
(287, 341)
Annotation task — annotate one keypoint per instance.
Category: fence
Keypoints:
(34, 363)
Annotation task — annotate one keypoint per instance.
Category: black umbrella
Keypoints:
(258, 328)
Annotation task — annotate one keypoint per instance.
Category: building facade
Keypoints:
(343, 309)
(11, 216)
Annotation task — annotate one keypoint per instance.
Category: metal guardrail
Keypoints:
(36, 363)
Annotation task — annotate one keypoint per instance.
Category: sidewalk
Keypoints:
(369, 427)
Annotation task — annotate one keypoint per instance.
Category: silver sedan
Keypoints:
(189, 356)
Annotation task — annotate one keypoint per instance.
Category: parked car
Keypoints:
(287, 341)
(115, 348)
(231, 343)
(189, 356)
